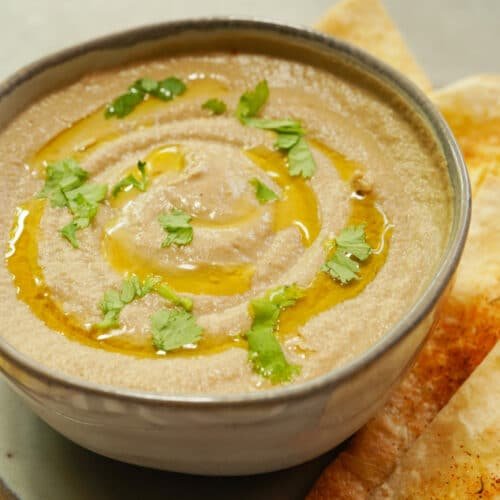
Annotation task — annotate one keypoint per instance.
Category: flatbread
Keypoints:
(463, 336)
(472, 109)
(468, 329)
(366, 24)
(458, 456)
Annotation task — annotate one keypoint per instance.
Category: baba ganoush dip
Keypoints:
(218, 223)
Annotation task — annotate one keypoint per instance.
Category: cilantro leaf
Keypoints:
(262, 192)
(165, 90)
(66, 186)
(166, 292)
(300, 160)
(168, 88)
(69, 232)
(132, 288)
(110, 320)
(179, 236)
(342, 267)
(265, 351)
(251, 102)
(111, 301)
(150, 284)
(285, 296)
(216, 106)
(131, 181)
(129, 291)
(176, 224)
(286, 140)
(124, 104)
(352, 240)
(173, 329)
(350, 243)
(88, 193)
(146, 85)
(267, 357)
(283, 126)
(83, 203)
(111, 307)
(290, 132)
(60, 177)
(84, 212)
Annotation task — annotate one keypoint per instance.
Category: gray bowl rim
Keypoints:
(328, 381)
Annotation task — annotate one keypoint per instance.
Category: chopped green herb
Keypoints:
(128, 292)
(69, 232)
(282, 126)
(342, 267)
(87, 193)
(150, 284)
(300, 159)
(168, 89)
(126, 103)
(265, 351)
(290, 132)
(145, 85)
(132, 288)
(286, 140)
(350, 243)
(173, 329)
(262, 192)
(66, 186)
(176, 224)
(352, 240)
(131, 181)
(111, 307)
(216, 106)
(60, 177)
(251, 102)
(165, 90)
(167, 293)
(83, 204)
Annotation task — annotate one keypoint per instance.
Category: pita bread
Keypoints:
(472, 109)
(464, 335)
(366, 24)
(460, 448)
(468, 328)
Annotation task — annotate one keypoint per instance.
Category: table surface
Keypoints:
(451, 39)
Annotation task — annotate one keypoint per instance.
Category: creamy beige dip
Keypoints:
(359, 142)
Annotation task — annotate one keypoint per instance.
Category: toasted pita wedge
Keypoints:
(365, 23)
(468, 328)
(458, 456)
(472, 109)
(479, 271)
(464, 335)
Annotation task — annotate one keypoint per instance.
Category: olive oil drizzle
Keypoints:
(22, 262)
(297, 207)
(85, 135)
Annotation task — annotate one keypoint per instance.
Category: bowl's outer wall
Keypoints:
(231, 440)
(227, 438)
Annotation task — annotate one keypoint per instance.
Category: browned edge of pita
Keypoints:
(461, 339)
(366, 24)
(460, 448)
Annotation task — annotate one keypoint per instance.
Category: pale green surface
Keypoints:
(451, 38)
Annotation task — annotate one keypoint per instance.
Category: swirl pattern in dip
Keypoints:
(375, 166)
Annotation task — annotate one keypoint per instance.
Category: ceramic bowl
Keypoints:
(245, 433)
